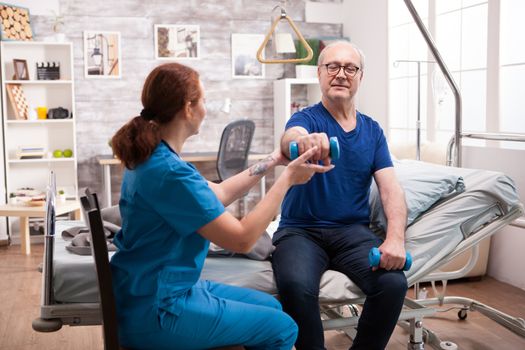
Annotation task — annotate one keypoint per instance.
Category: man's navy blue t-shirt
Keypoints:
(340, 196)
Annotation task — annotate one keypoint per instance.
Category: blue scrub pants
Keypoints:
(303, 255)
(214, 315)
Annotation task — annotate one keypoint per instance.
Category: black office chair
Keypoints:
(99, 250)
(235, 145)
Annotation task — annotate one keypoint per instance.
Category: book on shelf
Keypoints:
(31, 152)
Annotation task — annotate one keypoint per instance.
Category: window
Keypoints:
(406, 47)
(512, 71)
(459, 28)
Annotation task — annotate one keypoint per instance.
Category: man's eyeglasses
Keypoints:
(333, 69)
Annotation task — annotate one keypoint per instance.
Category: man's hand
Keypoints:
(320, 140)
(393, 255)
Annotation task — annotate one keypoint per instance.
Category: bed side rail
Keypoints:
(42, 324)
(514, 213)
(492, 136)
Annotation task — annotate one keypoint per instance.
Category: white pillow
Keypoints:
(424, 184)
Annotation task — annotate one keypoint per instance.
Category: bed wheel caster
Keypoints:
(448, 345)
(462, 314)
(46, 325)
(416, 346)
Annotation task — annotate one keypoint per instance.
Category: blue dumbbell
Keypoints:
(335, 151)
(375, 255)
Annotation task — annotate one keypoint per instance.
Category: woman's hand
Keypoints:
(300, 172)
(280, 158)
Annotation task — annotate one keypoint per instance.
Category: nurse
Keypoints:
(170, 213)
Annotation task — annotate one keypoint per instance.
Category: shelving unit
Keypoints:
(51, 134)
(286, 91)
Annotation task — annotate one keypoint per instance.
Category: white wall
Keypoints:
(506, 258)
(366, 24)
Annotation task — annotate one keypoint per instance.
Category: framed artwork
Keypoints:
(18, 101)
(14, 23)
(244, 56)
(102, 55)
(21, 71)
(177, 41)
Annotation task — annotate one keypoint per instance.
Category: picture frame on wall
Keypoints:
(102, 55)
(20, 68)
(15, 23)
(177, 41)
(244, 56)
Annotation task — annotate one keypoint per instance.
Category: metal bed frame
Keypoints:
(54, 315)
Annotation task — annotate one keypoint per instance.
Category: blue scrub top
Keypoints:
(164, 201)
(339, 197)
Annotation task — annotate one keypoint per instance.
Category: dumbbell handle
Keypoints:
(335, 151)
(375, 256)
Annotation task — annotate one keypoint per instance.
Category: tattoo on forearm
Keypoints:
(261, 167)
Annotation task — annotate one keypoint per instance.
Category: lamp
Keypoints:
(284, 43)
(191, 45)
(97, 56)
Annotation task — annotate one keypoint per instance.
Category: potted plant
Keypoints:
(307, 69)
(61, 195)
(12, 198)
(58, 23)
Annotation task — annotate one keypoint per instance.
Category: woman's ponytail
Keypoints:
(135, 141)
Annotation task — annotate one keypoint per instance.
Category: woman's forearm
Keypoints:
(236, 186)
(257, 220)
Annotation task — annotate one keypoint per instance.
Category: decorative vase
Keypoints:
(60, 37)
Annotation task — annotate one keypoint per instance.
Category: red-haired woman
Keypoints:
(170, 213)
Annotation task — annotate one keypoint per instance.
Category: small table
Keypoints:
(25, 212)
(191, 157)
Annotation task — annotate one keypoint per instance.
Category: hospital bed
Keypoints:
(454, 223)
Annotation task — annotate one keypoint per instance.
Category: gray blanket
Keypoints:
(79, 237)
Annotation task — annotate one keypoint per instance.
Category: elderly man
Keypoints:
(324, 223)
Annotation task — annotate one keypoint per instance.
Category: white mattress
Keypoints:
(430, 238)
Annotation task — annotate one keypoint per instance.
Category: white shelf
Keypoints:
(302, 81)
(50, 134)
(39, 82)
(282, 100)
(40, 121)
(34, 43)
(41, 160)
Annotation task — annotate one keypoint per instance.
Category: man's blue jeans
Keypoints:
(302, 255)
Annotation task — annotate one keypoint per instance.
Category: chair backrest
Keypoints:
(99, 250)
(235, 145)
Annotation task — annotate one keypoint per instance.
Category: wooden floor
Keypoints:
(20, 286)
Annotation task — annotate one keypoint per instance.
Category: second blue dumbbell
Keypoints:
(335, 151)
(375, 256)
